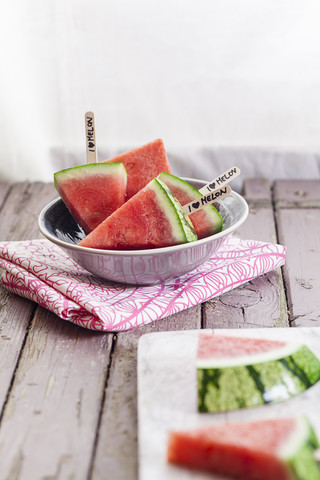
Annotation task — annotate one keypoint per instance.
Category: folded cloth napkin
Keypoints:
(44, 273)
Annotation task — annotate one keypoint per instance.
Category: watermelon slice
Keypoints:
(143, 164)
(207, 220)
(238, 372)
(92, 192)
(273, 449)
(152, 218)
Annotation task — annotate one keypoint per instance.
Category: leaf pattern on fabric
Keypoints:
(43, 273)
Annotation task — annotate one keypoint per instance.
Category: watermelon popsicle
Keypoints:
(272, 449)
(92, 192)
(91, 201)
(143, 164)
(236, 372)
(151, 218)
(207, 220)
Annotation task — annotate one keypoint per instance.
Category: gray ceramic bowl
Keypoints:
(139, 267)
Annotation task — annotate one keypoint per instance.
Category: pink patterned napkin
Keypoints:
(42, 272)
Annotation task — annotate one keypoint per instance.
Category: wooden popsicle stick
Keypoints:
(221, 180)
(91, 138)
(206, 200)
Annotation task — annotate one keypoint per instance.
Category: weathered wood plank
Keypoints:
(260, 222)
(64, 374)
(298, 218)
(260, 302)
(116, 454)
(299, 231)
(4, 190)
(297, 193)
(50, 420)
(255, 304)
(15, 314)
(20, 211)
(18, 220)
(257, 190)
(54, 402)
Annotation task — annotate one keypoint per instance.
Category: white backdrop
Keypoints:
(214, 79)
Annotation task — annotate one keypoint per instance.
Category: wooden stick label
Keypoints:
(221, 180)
(90, 138)
(206, 200)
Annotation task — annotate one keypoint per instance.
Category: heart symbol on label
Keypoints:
(196, 205)
(212, 185)
(90, 144)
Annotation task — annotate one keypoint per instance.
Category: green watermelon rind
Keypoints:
(298, 452)
(245, 386)
(82, 171)
(182, 228)
(89, 182)
(295, 450)
(214, 217)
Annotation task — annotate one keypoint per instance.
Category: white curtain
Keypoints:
(204, 75)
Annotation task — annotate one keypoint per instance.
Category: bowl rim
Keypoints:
(147, 251)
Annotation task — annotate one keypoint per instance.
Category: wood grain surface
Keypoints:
(241, 308)
(68, 396)
(19, 210)
(298, 223)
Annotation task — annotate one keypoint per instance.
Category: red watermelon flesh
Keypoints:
(272, 449)
(207, 220)
(143, 164)
(218, 347)
(150, 219)
(92, 192)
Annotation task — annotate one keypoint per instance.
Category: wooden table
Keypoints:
(68, 396)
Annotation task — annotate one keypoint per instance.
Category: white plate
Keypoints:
(167, 395)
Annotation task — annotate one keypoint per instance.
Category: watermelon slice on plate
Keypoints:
(151, 218)
(143, 164)
(92, 192)
(239, 372)
(207, 220)
(272, 449)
